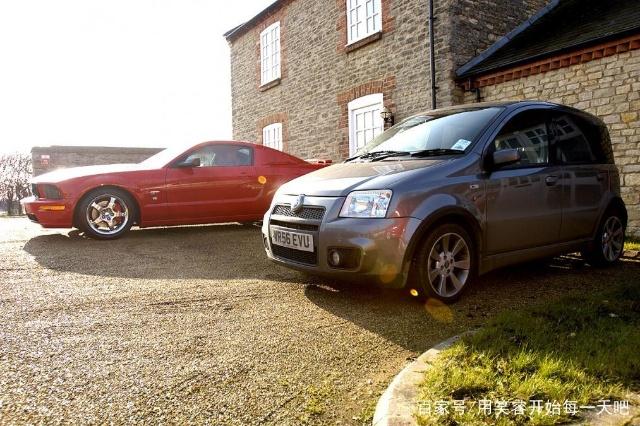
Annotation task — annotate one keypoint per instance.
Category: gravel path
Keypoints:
(194, 325)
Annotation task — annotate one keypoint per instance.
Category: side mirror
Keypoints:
(194, 162)
(505, 157)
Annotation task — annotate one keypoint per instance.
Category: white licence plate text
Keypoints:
(294, 240)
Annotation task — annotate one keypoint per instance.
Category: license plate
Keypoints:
(290, 239)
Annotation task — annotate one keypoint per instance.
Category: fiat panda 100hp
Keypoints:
(452, 193)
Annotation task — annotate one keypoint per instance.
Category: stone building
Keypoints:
(47, 158)
(312, 77)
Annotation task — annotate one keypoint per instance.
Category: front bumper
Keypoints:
(381, 244)
(49, 213)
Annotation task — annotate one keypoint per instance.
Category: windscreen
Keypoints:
(450, 130)
(164, 157)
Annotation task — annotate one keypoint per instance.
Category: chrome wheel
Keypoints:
(612, 239)
(449, 265)
(107, 214)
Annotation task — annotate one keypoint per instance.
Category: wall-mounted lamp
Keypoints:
(387, 116)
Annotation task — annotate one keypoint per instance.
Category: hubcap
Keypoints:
(107, 214)
(612, 239)
(449, 264)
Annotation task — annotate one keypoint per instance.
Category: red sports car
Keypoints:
(211, 182)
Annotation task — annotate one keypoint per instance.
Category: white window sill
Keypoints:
(363, 41)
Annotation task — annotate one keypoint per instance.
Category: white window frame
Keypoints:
(272, 136)
(270, 58)
(364, 18)
(366, 104)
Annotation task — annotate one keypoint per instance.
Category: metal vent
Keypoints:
(299, 256)
(311, 213)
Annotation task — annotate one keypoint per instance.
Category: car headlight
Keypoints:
(372, 204)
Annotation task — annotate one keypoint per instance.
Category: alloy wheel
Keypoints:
(612, 239)
(107, 214)
(449, 265)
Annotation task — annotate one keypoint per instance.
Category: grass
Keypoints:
(632, 244)
(582, 349)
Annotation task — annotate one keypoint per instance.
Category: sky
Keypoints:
(150, 73)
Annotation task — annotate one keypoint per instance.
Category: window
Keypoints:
(365, 122)
(272, 136)
(577, 141)
(222, 156)
(447, 130)
(526, 132)
(364, 17)
(270, 54)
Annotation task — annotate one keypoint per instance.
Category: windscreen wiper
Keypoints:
(379, 155)
(434, 152)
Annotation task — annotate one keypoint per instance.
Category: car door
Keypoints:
(524, 200)
(221, 188)
(585, 173)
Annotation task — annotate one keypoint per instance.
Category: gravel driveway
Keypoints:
(194, 325)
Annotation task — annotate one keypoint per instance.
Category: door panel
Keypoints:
(586, 177)
(524, 200)
(220, 189)
(523, 208)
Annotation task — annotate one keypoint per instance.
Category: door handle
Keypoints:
(551, 180)
(601, 176)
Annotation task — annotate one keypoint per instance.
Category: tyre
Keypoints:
(608, 244)
(106, 213)
(446, 263)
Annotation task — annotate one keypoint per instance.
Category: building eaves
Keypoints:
(505, 39)
(562, 26)
(236, 32)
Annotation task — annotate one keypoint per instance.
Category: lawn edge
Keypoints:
(397, 404)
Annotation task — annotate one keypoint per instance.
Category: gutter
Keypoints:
(432, 57)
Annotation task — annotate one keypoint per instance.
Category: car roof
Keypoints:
(479, 105)
(509, 105)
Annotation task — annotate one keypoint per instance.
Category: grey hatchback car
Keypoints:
(453, 193)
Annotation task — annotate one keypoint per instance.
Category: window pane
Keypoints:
(573, 145)
(526, 132)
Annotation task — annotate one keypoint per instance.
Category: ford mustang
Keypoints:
(211, 182)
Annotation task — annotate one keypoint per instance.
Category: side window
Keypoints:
(577, 140)
(526, 132)
(223, 156)
(270, 54)
(365, 122)
(364, 17)
(272, 136)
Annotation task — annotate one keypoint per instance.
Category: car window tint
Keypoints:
(223, 156)
(577, 141)
(526, 132)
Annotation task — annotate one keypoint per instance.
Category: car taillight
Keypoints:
(50, 192)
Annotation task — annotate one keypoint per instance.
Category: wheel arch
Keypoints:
(617, 204)
(454, 215)
(88, 191)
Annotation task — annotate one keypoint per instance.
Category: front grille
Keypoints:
(295, 255)
(34, 190)
(311, 213)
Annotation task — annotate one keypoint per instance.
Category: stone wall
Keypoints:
(319, 69)
(320, 75)
(56, 157)
(465, 28)
(609, 88)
